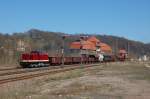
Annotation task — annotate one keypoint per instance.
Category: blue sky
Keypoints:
(125, 18)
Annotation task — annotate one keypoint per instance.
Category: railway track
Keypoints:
(7, 72)
(26, 75)
(5, 69)
(21, 71)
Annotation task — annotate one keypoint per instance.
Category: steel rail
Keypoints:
(29, 76)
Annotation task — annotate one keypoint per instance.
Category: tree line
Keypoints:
(12, 45)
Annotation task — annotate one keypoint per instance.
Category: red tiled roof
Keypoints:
(93, 40)
(105, 47)
(83, 45)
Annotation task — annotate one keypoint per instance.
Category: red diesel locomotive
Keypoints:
(34, 59)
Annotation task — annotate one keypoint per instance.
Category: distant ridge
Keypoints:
(52, 42)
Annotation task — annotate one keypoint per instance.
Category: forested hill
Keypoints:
(12, 45)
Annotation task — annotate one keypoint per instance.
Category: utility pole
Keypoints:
(128, 49)
(62, 49)
(116, 45)
(81, 48)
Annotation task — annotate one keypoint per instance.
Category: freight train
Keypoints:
(41, 59)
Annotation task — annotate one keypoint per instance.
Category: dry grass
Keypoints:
(20, 91)
(25, 89)
(110, 81)
(66, 75)
(77, 88)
